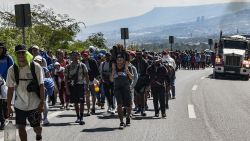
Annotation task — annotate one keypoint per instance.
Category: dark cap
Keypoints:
(19, 48)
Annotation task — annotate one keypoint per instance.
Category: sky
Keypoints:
(99, 11)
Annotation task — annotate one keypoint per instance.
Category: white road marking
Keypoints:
(194, 87)
(191, 112)
(54, 114)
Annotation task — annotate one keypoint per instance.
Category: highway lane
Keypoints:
(204, 109)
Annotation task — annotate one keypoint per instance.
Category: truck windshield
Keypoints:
(235, 44)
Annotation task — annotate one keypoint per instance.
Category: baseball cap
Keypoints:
(38, 58)
(20, 48)
(35, 47)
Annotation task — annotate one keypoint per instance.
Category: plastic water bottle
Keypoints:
(10, 132)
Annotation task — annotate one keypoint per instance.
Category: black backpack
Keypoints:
(33, 86)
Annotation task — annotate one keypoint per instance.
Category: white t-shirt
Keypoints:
(3, 89)
(25, 100)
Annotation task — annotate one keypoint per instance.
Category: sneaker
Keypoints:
(173, 97)
(81, 122)
(77, 121)
(135, 109)
(92, 111)
(112, 111)
(63, 107)
(46, 122)
(143, 113)
(138, 111)
(67, 108)
(128, 121)
(88, 114)
(122, 125)
(164, 115)
(157, 115)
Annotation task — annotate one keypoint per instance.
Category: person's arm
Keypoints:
(10, 92)
(40, 77)
(135, 77)
(130, 74)
(86, 75)
(11, 87)
(66, 73)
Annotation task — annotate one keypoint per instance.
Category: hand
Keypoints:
(40, 107)
(127, 71)
(10, 111)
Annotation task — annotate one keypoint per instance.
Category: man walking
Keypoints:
(26, 79)
(75, 74)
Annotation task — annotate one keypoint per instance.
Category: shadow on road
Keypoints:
(108, 117)
(59, 124)
(226, 77)
(66, 115)
(101, 129)
(144, 118)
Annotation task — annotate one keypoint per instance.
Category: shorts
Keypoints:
(77, 93)
(122, 91)
(33, 116)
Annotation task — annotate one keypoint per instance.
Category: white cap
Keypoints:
(38, 58)
(57, 64)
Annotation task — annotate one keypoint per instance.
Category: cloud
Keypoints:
(98, 11)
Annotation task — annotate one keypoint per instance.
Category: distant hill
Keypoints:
(165, 16)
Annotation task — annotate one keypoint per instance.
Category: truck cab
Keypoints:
(232, 57)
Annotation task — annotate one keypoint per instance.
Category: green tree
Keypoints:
(50, 30)
(97, 40)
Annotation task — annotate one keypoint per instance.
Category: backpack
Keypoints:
(33, 86)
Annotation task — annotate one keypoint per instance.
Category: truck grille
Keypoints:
(232, 61)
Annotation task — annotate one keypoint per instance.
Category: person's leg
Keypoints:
(143, 100)
(2, 119)
(77, 110)
(173, 88)
(45, 112)
(61, 97)
(106, 90)
(38, 131)
(93, 95)
(22, 132)
(155, 100)
(87, 98)
(34, 118)
(162, 97)
(21, 117)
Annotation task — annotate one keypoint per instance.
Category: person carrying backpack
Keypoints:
(5, 61)
(75, 74)
(25, 77)
(122, 78)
